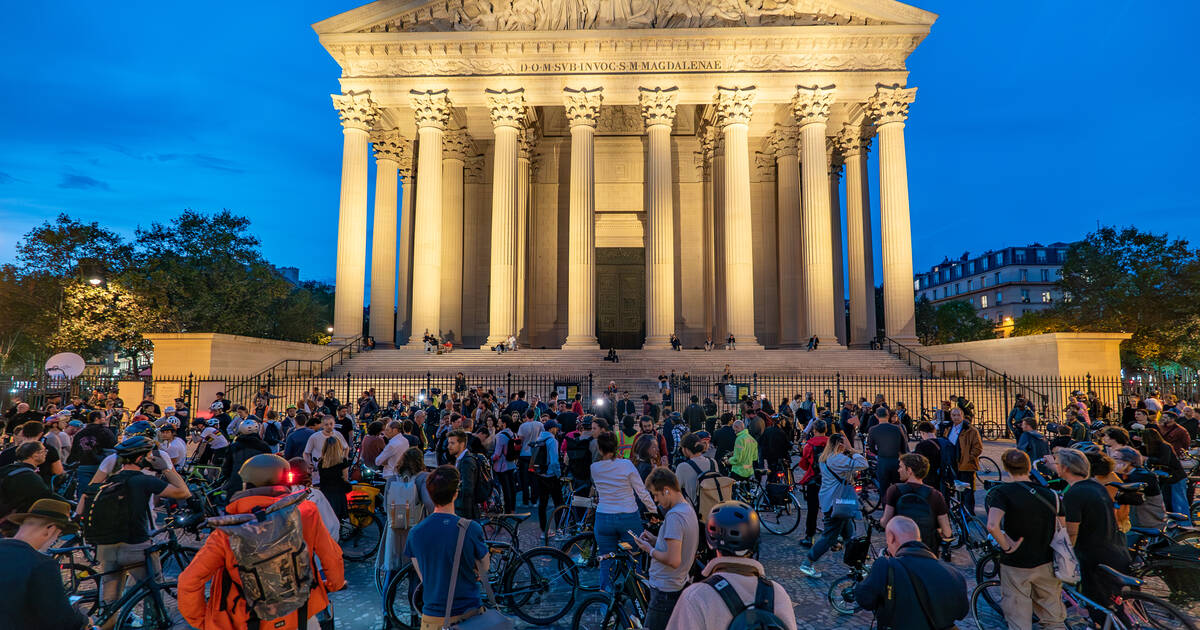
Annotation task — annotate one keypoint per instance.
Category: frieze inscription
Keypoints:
(651, 65)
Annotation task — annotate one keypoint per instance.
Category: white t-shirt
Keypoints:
(214, 438)
(177, 449)
(109, 464)
(390, 456)
(315, 447)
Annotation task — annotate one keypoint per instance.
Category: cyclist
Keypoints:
(31, 588)
(1091, 525)
(1026, 566)
(672, 551)
(213, 443)
(247, 444)
(745, 453)
(926, 507)
(619, 488)
(810, 455)
(888, 441)
(694, 465)
(175, 448)
(266, 480)
(119, 522)
(732, 530)
(839, 464)
(965, 437)
(20, 485)
(910, 588)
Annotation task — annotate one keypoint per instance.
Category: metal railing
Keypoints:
(292, 368)
(960, 368)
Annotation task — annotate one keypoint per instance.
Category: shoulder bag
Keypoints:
(846, 504)
(1066, 564)
(483, 619)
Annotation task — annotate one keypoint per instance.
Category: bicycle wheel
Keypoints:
(988, 567)
(1139, 611)
(540, 586)
(841, 595)
(176, 559)
(988, 470)
(985, 606)
(559, 523)
(868, 496)
(402, 600)
(82, 584)
(360, 535)
(596, 612)
(780, 519)
(581, 548)
(145, 611)
(500, 530)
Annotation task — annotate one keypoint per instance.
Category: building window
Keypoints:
(983, 301)
(1062, 256)
(983, 263)
(996, 278)
(999, 258)
(970, 285)
(1025, 296)
(1019, 256)
(956, 291)
(971, 267)
(1041, 255)
(1058, 273)
(1046, 299)
(1024, 275)
(1045, 275)
(999, 297)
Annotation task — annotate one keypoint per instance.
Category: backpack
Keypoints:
(483, 475)
(272, 434)
(513, 450)
(677, 433)
(272, 557)
(539, 457)
(948, 467)
(914, 503)
(404, 506)
(712, 487)
(759, 615)
(579, 455)
(6, 507)
(107, 516)
(816, 457)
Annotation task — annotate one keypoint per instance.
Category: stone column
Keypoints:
(811, 109)
(507, 109)
(658, 112)
(720, 263)
(733, 116)
(888, 110)
(583, 110)
(783, 142)
(835, 237)
(707, 147)
(358, 114)
(432, 113)
(456, 148)
(854, 142)
(404, 265)
(390, 147)
(525, 143)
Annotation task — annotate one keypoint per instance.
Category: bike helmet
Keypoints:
(212, 422)
(249, 426)
(216, 407)
(1087, 447)
(733, 528)
(141, 427)
(265, 470)
(134, 447)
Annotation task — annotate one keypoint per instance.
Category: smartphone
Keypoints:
(631, 534)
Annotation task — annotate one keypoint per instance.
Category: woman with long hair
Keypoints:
(409, 481)
(1160, 456)
(619, 487)
(333, 470)
(838, 464)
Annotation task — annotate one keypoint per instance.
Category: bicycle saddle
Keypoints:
(960, 486)
(1135, 486)
(520, 518)
(1119, 578)
(1176, 516)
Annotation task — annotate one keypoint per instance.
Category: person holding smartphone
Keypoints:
(672, 551)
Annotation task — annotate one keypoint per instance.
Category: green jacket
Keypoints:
(745, 453)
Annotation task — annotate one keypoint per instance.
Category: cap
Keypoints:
(551, 424)
(703, 435)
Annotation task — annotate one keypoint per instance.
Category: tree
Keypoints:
(55, 248)
(99, 319)
(1131, 281)
(950, 322)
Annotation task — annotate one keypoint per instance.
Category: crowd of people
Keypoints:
(451, 457)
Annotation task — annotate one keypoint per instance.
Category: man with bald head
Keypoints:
(926, 593)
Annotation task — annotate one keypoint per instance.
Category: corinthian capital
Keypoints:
(658, 105)
(527, 139)
(583, 105)
(890, 104)
(356, 109)
(853, 139)
(457, 145)
(811, 104)
(432, 108)
(734, 105)
(834, 157)
(473, 168)
(389, 145)
(507, 107)
(784, 140)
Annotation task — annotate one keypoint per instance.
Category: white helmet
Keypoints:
(217, 407)
(249, 426)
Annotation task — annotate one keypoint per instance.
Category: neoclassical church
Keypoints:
(604, 173)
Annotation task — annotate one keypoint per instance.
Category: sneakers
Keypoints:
(808, 569)
(807, 543)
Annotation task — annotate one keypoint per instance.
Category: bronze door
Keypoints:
(621, 297)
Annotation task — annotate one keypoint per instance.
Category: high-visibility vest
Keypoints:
(625, 444)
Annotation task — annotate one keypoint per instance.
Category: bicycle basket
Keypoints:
(855, 554)
(362, 497)
(777, 493)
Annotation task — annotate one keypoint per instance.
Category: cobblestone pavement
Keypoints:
(358, 606)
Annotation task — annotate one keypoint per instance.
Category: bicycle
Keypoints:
(969, 530)
(577, 514)
(362, 530)
(989, 470)
(141, 607)
(777, 507)
(858, 553)
(538, 586)
(626, 608)
(1130, 609)
(505, 528)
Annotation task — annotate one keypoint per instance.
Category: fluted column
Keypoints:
(707, 147)
(525, 143)
(888, 110)
(358, 114)
(583, 110)
(734, 107)
(432, 111)
(404, 263)
(854, 142)
(507, 108)
(390, 148)
(456, 148)
(811, 110)
(720, 263)
(783, 142)
(835, 238)
(658, 112)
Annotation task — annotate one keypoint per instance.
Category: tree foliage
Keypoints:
(1126, 280)
(950, 322)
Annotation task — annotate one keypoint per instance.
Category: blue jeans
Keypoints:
(834, 528)
(83, 477)
(610, 530)
(1175, 496)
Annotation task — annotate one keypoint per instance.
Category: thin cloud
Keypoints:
(82, 182)
(5, 178)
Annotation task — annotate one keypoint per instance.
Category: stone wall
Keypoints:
(214, 354)
(1052, 354)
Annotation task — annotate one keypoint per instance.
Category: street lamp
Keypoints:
(91, 270)
(329, 329)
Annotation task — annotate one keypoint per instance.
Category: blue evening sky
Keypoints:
(1033, 121)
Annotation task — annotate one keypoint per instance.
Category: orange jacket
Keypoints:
(215, 563)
